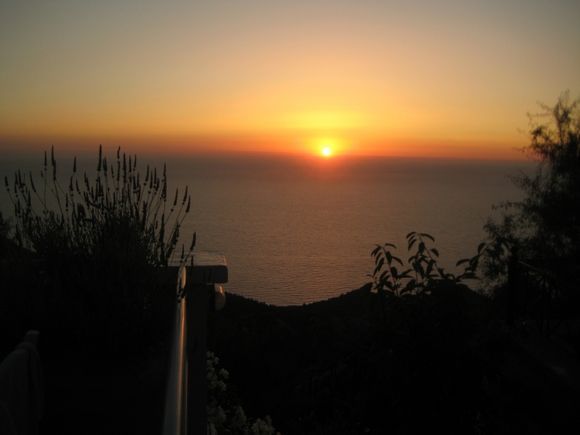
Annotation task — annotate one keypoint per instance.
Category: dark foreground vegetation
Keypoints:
(444, 362)
(85, 262)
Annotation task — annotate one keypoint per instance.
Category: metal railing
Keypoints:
(197, 293)
(21, 388)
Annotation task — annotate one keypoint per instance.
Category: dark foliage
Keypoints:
(440, 363)
(542, 232)
(91, 253)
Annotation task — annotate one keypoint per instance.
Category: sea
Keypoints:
(296, 230)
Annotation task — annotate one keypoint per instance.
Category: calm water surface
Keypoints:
(298, 230)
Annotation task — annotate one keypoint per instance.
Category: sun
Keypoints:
(326, 151)
(326, 147)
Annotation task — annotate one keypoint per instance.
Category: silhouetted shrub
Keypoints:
(99, 245)
(420, 272)
(542, 232)
(4, 230)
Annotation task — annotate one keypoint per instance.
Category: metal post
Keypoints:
(197, 302)
(186, 395)
(207, 269)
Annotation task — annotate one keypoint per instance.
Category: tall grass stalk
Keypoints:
(79, 214)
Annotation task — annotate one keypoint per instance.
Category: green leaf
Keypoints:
(379, 266)
(405, 275)
(428, 236)
(410, 286)
(398, 260)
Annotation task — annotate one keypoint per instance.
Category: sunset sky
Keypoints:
(432, 78)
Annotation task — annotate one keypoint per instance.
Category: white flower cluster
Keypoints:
(216, 378)
(263, 427)
(224, 417)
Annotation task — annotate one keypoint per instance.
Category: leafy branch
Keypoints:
(391, 275)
